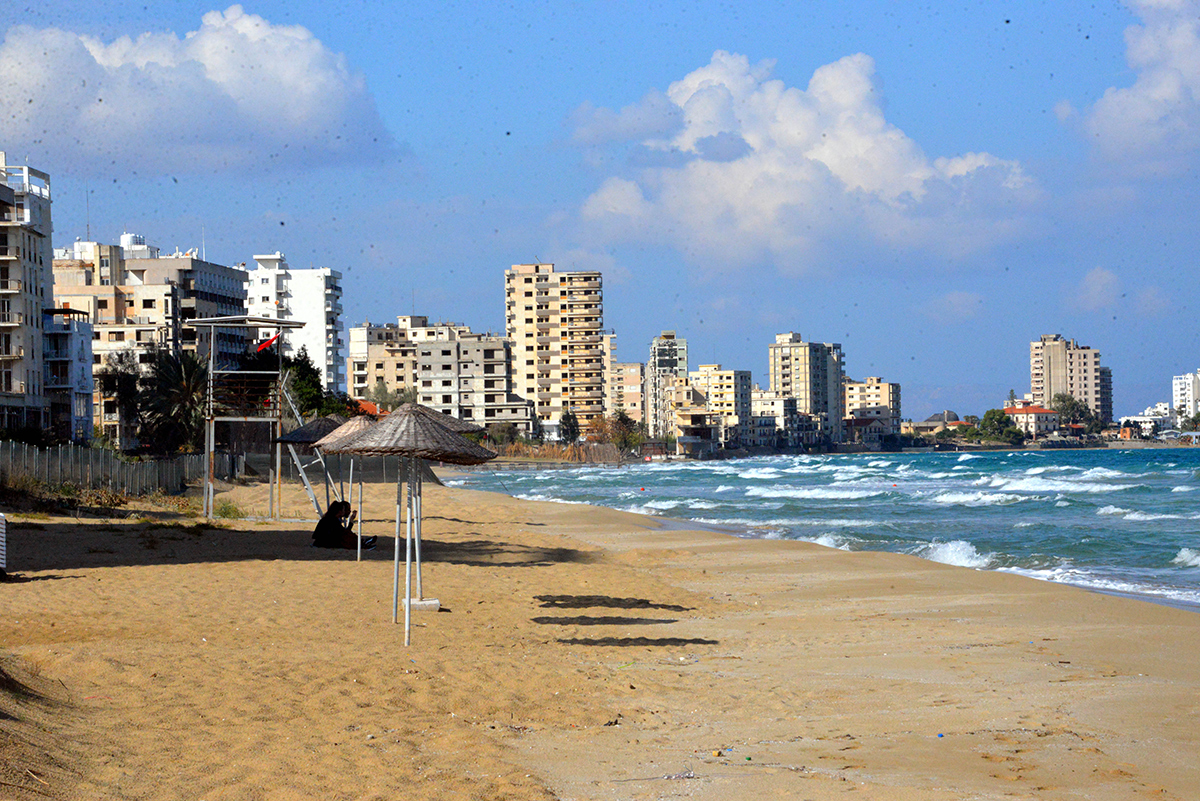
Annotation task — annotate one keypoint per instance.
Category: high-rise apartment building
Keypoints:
(668, 362)
(555, 321)
(311, 296)
(813, 374)
(453, 370)
(135, 302)
(874, 398)
(1060, 366)
(26, 257)
(1185, 394)
(624, 391)
(726, 392)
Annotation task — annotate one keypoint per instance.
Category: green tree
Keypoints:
(624, 430)
(993, 424)
(1073, 411)
(119, 378)
(568, 427)
(390, 398)
(174, 390)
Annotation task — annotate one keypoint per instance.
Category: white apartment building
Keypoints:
(874, 398)
(812, 373)
(667, 364)
(555, 321)
(1059, 366)
(67, 337)
(727, 393)
(311, 296)
(453, 370)
(26, 257)
(1035, 421)
(1185, 394)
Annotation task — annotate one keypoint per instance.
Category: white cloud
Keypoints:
(764, 171)
(954, 307)
(238, 92)
(1099, 289)
(1157, 119)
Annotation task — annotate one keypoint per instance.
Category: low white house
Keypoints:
(1035, 421)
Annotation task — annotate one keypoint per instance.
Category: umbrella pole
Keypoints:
(396, 558)
(341, 481)
(352, 498)
(417, 517)
(408, 542)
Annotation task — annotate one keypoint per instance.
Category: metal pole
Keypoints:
(360, 507)
(416, 479)
(396, 557)
(408, 554)
(359, 557)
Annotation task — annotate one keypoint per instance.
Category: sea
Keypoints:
(1118, 521)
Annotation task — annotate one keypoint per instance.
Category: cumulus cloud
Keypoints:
(1157, 119)
(238, 92)
(764, 171)
(954, 307)
(1099, 289)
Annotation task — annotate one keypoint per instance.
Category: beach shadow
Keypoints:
(18, 578)
(487, 553)
(587, 620)
(643, 642)
(473, 522)
(604, 601)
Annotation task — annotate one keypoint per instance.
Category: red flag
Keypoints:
(267, 344)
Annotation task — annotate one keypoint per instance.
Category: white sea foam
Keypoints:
(1147, 516)
(879, 464)
(1112, 510)
(832, 541)
(759, 472)
(1187, 557)
(537, 496)
(977, 498)
(1183, 489)
(1062, 503)
(1046, 485)
(955, 552)
(967, 457)
(664, 505)
(1102, 472)
(811, 493)
(702, 505)
(1024, 525)
(1082, 578)
(725, 488)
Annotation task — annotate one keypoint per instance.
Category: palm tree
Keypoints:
(174, 393)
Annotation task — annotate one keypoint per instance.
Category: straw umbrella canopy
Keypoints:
(415, 432)
(314, 430)
(343, 433)
(447, 421)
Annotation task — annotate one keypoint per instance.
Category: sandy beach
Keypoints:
(581, 653)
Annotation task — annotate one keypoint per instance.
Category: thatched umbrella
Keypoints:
(415, 432)
(306, 436)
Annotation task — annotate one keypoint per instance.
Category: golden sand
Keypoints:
(581, 653)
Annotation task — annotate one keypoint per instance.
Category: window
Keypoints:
(266, 299)
(116, 336)
(148, 303)
(264, 281)
(102, 303)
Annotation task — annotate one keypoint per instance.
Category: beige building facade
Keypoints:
(624, 391)
(813, 374)
(1060, 366)
(555, 321)
(453, 370)
(727, 393)
(874, 398)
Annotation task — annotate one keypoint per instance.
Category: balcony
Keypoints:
(56, 354)
(12, 352)
(9, 251)
(12, 318)
(8, 285)
(15, 216)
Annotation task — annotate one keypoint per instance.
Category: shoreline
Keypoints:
(582, 653)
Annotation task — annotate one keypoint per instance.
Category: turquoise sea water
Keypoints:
(1125, 521)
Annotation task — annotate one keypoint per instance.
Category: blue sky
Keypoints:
(932, 186)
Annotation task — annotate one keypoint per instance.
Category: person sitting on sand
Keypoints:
(332, 532)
